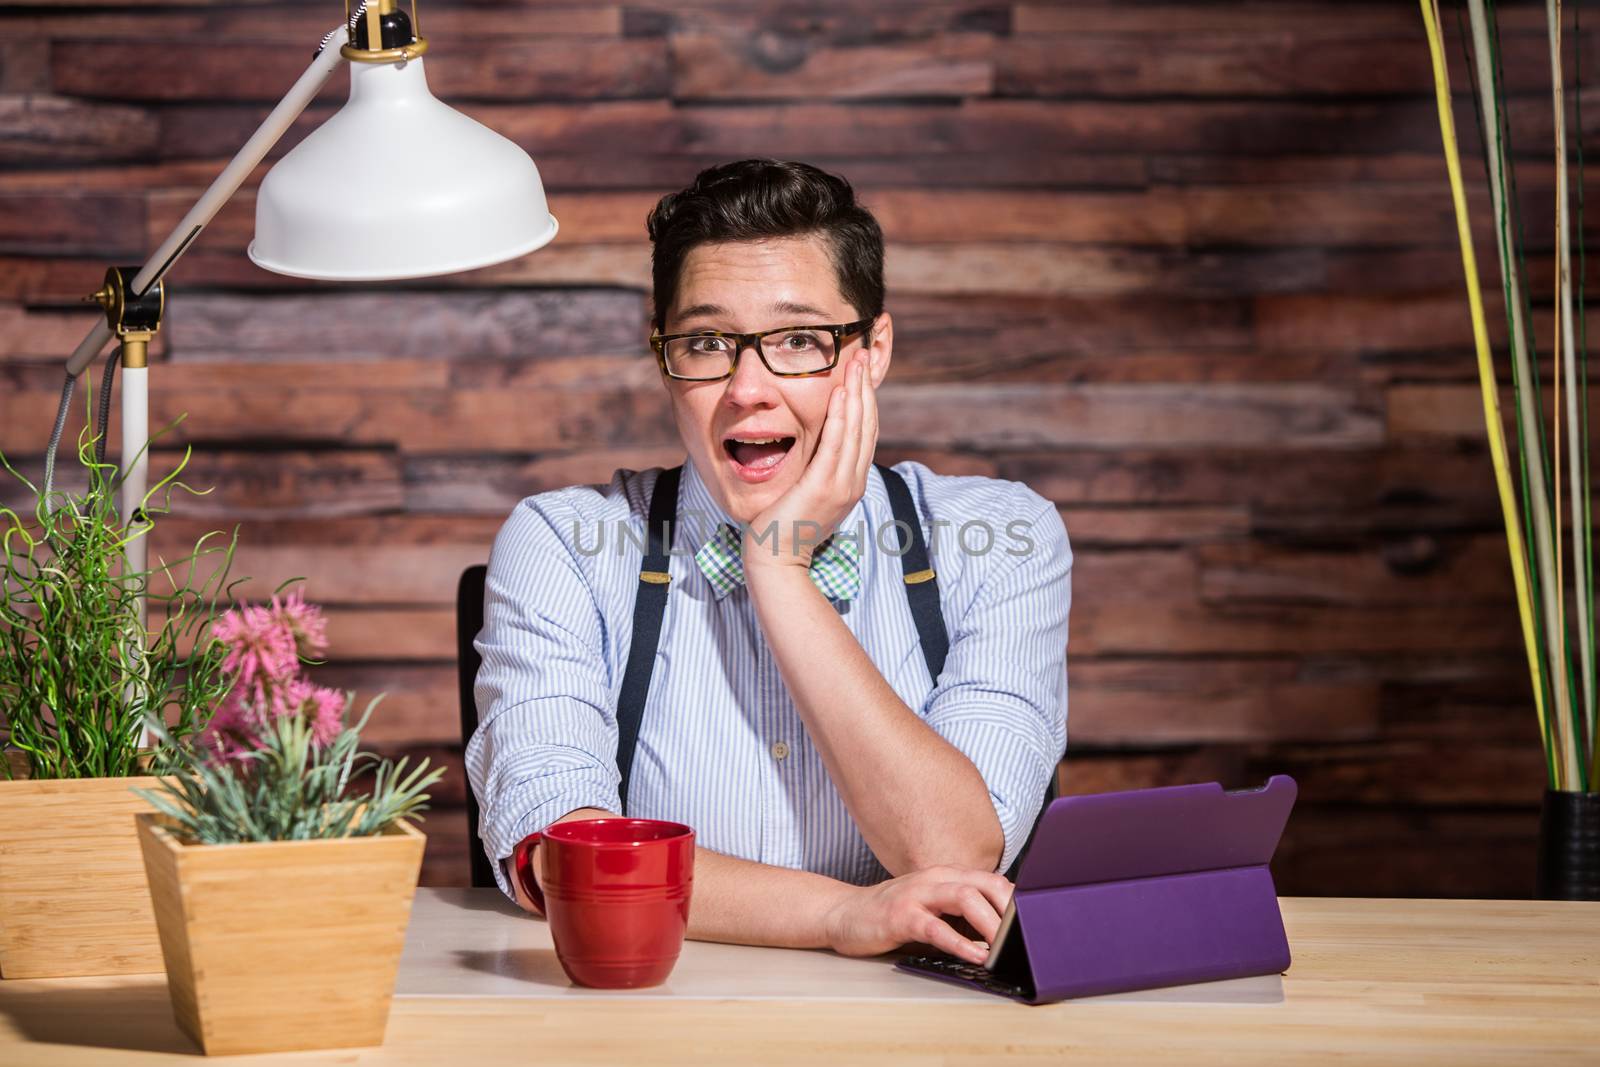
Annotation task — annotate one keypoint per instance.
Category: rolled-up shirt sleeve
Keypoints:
(546, 741)
(1002, 697)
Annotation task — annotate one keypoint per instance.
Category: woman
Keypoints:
(860, 744)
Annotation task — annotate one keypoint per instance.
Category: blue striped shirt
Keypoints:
(722, 746)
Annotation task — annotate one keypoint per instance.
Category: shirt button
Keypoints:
(780, 749)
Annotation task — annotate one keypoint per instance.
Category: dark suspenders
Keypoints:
(922, 588)
(650, 601)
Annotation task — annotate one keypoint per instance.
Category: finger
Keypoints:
(851, 446)
(869, 424)
(959, 898)
(828, 445)
(995, 887)
(942, 936)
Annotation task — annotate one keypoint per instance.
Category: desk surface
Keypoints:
(1383, 980)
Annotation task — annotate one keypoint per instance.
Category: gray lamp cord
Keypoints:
(102, 430)
(350, 27)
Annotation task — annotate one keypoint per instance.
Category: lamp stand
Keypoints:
(133, 306)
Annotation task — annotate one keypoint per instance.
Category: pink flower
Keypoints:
(291, 698)
(232, 732)
(304, 622)
(327, 714)
(264, 649)
(260, 650)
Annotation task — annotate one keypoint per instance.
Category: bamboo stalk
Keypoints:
(1566, 353)
(1527, 410)
(1555, 422)
(1585, 592)
(1486, 377)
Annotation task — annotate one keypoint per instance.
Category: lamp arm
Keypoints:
(220, 191)
(135, 459)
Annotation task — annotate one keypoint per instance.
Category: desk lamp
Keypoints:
(395, 185)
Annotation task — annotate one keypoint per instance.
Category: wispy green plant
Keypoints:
(1556, 604)
(80, 669)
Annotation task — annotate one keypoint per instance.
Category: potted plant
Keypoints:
(282, 863)
(79, 673)
(1550, 538)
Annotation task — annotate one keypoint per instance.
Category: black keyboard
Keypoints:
(967, 972)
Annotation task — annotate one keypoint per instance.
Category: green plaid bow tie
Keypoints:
(835, 570)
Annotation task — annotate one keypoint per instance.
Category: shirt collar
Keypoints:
(699, 514)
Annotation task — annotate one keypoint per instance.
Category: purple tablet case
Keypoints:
(1141, 889)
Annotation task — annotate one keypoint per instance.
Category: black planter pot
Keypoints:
(1569, 847)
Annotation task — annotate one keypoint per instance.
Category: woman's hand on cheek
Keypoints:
(789, 530)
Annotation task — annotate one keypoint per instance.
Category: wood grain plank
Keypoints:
(50, 280)
(492, 485)
(1145, 703)
(827, 20)
(1249, 17)
(974, 127)
(969, 268)
(1091, 270)
(445, 862)
(393, 641)
(1024, 325)
(257, 484)
(1405, 569)
(303, 414)
(346, 325)
(420, 704)
(1109, 416)
(420, 562)
(1365, 322)
(1350, 850)
(24, 65)
(37, 128)
(303, 24)
(1286, 60)
(502, 68)
(1094, 527)
(72, 224)
(398, 635)
(1430, 772)
(1437, 411)
(709, 67)
(1133, 627)
(1390, 491)
(46, 336)
(1401, 214)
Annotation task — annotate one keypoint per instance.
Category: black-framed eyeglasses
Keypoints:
(787, 351)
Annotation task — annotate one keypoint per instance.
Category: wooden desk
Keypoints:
(1380, 981)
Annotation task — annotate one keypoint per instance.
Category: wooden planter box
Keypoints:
(73, 899)
(282, 945)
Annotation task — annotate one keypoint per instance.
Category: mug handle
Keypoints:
(522, 869)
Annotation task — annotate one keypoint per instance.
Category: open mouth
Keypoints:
(755, 459)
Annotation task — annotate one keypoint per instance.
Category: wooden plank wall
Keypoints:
(1187, 269)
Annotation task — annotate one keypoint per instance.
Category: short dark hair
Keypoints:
(756, 199)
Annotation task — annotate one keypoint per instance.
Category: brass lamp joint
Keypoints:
(134, 318)
(382, 33)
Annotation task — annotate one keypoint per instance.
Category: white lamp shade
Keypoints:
(398, 185)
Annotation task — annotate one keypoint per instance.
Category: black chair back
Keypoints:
(469, 620)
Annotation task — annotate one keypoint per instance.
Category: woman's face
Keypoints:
(747, 286)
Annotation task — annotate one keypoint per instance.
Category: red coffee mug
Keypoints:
(616, 892)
